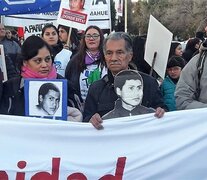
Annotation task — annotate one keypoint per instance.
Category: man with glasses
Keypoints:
(102, 96)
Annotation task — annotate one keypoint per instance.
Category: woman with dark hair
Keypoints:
(36, 63)
(88, 64)
(191, 48)
(60, 55)
(175, 50)
(50, 35)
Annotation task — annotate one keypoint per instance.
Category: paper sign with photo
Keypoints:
(3, 74)
(128, 85)
(46, 98)
(74, 13)
(158, 40)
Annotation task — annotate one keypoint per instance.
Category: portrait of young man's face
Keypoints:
(131, 92)
(50, 102)
(76, 5)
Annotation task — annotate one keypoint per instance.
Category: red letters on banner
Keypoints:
(54, 175)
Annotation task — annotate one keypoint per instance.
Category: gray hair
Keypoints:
(118, 36)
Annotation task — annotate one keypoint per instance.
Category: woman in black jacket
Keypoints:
(36, 63)
(88, 64)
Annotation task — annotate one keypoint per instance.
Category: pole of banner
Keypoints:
(125, 15)
(153, 63)
(1, 19)
(109, 10)
(69, 34)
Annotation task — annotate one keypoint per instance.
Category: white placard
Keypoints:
(159, 39)
(74, 19)
(100, 14)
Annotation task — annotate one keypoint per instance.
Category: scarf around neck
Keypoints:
(91, 58)
(26, 72)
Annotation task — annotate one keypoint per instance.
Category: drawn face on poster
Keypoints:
(131, 92)
(128, 85)
(49, 101)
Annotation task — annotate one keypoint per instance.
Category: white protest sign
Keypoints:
(36, 29)
(32, 23)
(100, 14)
(75, 17)
(159, 39)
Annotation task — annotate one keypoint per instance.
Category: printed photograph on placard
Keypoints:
(74, 13)
(46, 98)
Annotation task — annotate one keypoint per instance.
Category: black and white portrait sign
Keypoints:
(46, 98)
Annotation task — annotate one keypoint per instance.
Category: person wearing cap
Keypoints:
(174, 68)
(128, 85)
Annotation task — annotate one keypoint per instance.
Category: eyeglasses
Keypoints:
(94, 36)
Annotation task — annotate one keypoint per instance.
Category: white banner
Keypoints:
(29, 19)
(137, 148)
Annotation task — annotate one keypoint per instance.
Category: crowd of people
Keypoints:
(107, 77)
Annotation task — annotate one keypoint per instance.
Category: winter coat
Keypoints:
(168, 90)
(187, 94)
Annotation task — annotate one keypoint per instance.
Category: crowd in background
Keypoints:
(82, 60)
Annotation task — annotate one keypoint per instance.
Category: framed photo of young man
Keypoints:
(46, 98)
(3, 74)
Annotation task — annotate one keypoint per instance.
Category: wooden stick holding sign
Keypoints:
(153, 63)
(69, 34)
